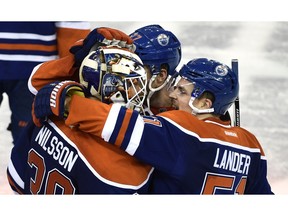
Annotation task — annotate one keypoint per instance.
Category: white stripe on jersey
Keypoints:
(221, 142)
(30, 86)
(14, 174)
(31, 58)
(110, 122)
(73, 25)
(30, 36)
(136, 136)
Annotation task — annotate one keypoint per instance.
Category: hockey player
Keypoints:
(192, 149)
(23, 45)
(52, 160)
(160, 51)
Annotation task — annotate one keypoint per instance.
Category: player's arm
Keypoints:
(51, 71)
(87, 114)
(68, 33)
(66, 68)
(17, 167)
(146, 138)
(120, 126)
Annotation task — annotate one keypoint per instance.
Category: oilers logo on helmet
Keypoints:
(209, 75)
(163, 39)
(157, 46)
(221, 70)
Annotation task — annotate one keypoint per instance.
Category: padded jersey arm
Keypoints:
(51, 71)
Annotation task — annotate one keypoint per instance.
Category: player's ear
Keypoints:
(162, 76)
(205, 103)
(208, 103)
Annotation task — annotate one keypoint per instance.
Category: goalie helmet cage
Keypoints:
(236, 105)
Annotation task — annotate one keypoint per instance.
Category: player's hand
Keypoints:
(50, 100)
(101, 36)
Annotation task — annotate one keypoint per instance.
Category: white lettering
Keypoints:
(54, 93)
(233, 161)
(43, 136)
(230, 133)
(216, 159)
(56, 148)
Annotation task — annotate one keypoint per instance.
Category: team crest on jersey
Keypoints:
(163, 39)
(221, 70)
(152, 120)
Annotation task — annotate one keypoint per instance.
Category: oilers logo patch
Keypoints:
(152, 120)
(163, 39)
(221, 70)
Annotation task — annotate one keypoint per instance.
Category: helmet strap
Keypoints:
(153, 90)
(196, 111)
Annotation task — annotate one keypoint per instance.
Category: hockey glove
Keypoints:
(51, 99)
(101, 36)
(37, 121)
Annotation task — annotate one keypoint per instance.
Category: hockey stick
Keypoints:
(236, 103)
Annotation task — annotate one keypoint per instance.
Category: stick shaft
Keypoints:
(237, 102)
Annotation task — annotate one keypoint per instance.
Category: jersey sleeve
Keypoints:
(69, 33)
(87, 114)
(124, 128)
(16, 170)
(51, 71)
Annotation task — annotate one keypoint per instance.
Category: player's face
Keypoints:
(181, 95)
(134, 87)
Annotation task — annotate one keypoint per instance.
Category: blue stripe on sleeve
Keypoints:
(129, 130)
(118, 125)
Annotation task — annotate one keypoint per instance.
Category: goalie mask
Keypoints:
(115, 75)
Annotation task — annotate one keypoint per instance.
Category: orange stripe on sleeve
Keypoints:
(35, 47)
(124, 127)
(13, 185)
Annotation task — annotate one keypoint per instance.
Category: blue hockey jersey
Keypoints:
(190, 156)
(56, 159)
(23, 45)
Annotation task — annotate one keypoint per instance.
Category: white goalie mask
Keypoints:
(115, 75)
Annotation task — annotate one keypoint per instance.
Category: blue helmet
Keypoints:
(156, 46)
(214, 77)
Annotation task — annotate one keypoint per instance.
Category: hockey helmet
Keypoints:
(110, 73)
(214, 77)
(156, 46)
